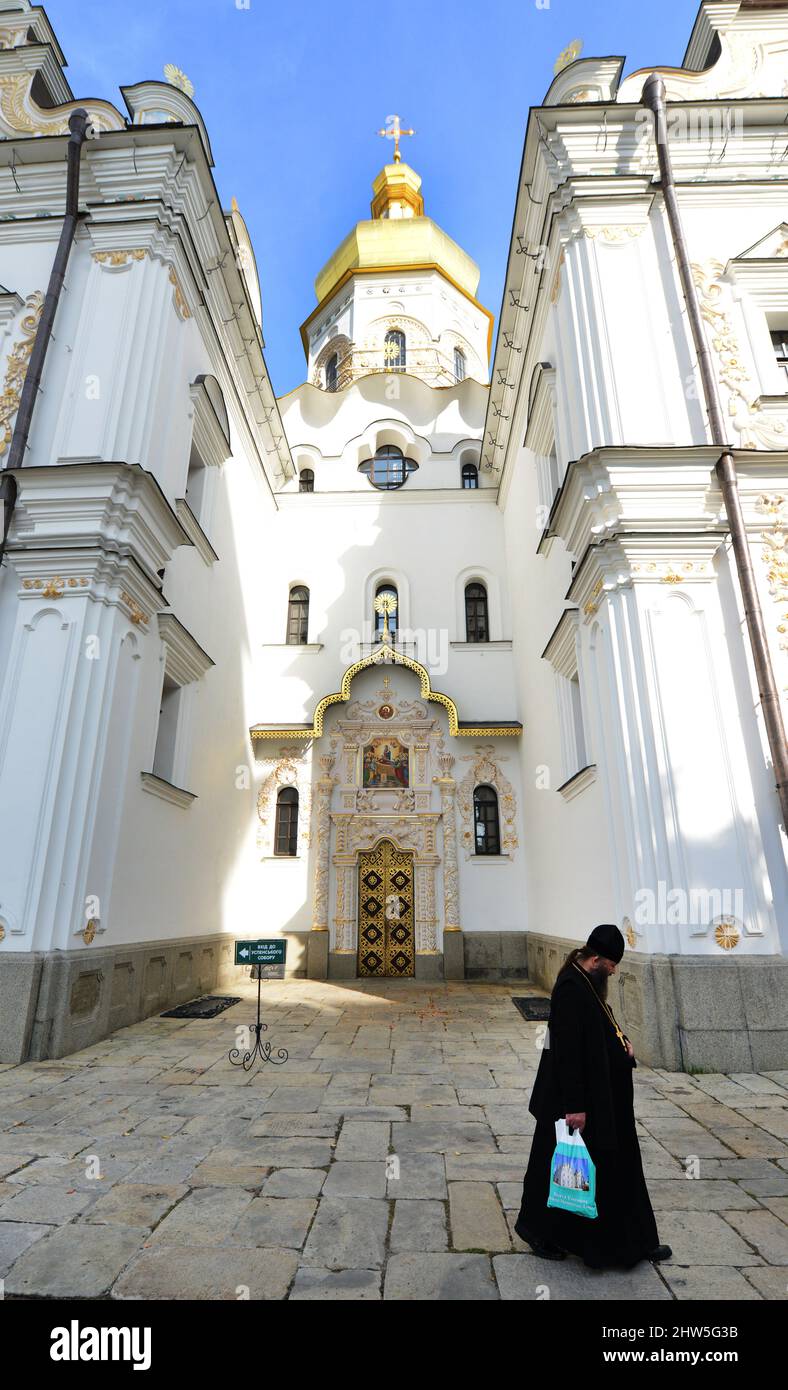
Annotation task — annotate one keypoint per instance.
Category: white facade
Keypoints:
(570, 646)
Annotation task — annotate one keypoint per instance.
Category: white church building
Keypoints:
(449, 654)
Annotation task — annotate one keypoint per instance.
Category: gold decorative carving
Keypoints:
(177, 78)
(755, 429)
(21, 113)
(117, 258)
(775, 555)
(592, 606)
(629, 933)
(555, 289)
(178, 297)
(136, 614)
(54, 587)
(615, 235)
(89, 933)
(727, 934)
(16, 367)
(381, 655)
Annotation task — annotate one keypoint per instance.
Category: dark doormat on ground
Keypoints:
(208, 1007)
(533, 1010)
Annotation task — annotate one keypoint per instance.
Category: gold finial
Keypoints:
(385, 604)
(569, 55)
(393, 131)
(177, 78)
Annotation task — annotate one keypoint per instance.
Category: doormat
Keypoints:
(207, 1007)
(533, 1010)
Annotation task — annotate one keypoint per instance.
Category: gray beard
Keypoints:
(599, 978)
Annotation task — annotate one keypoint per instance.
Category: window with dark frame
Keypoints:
(286, 827)
(298, 616)
(459, 364)
(389, 468)
(487, 835)
(477, 627)
(470, 475)
(779, 338)
(332, 372)
(306, 480)
(394, 351)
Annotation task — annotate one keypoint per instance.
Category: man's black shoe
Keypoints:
(662, 1252)
(544, 1249)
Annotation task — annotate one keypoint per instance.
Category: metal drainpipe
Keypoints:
(653, 97)
(78, 123)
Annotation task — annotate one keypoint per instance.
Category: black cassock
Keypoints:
(584, 1067)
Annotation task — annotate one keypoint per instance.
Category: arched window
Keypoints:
(487, 835)
(459, 364)
(332, 372)
(286, 827)
(470, 475)
(389, 468)
(477, 627)
(390, 592)
(306, 480)
(394, 351)
(298, 616)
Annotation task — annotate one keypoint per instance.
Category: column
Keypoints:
(317, 946)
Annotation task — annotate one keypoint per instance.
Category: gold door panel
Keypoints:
(385, 912)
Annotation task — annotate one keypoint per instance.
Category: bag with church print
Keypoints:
(572, 1173)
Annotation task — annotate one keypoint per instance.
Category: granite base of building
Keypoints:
(343, 965)
(690, 1013)
(56, 1002)
(495, 955)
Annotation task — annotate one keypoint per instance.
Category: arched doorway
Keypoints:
(385, 911)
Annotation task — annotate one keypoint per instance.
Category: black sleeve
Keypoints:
(568, 1048)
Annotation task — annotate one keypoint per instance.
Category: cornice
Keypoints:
(118, 506)
(186, 660)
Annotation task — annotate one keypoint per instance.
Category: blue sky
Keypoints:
(292, 94)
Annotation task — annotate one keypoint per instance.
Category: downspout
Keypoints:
(78, 124)
(653, 97)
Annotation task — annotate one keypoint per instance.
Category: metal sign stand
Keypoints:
(261, 1049)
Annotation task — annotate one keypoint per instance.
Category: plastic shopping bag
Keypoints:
(572, 1173)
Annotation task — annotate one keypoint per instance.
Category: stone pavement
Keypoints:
(384, 1159)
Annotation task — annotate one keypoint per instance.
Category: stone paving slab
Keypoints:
(187, 1273)
(385, 1159)
(74, 1262)
(418, 1226)
(330, 1284)
(719, 1283)
(523, 1277)
(430, 1276)
(15, 1238)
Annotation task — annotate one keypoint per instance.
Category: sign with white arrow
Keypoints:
(260, 952)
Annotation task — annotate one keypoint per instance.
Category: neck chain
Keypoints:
(602, 1003)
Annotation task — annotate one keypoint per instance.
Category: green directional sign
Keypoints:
(260, 952)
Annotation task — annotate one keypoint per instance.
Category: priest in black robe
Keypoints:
(585, 1077)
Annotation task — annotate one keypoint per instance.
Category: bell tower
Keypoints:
(398, 295)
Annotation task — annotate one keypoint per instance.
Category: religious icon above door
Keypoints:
(385, 764)
(385, 911)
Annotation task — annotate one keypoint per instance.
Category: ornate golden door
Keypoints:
(385, 911)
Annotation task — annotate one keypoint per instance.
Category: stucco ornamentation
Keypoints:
(284, 774)
(755, 429)
(486, 772)
(16, 367)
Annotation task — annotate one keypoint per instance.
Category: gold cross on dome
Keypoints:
(394, 131)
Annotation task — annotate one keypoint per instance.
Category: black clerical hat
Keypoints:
(607, 941)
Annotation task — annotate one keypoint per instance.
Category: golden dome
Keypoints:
(398, 236)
